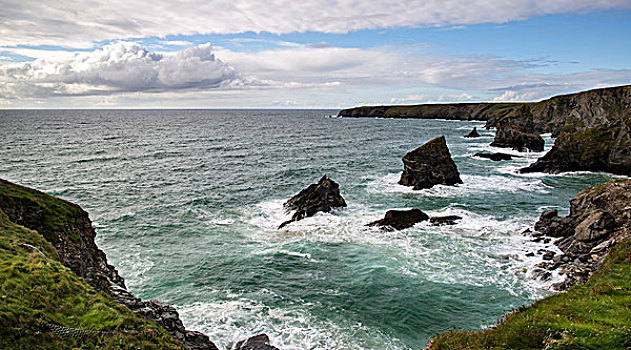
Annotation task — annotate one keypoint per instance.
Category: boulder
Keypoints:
(473, 133)
(444, 220)
(320, 197)
(509, 137)
(598, 225)
(429, 165)
(400, 219)
(257, 342)
(496, 157)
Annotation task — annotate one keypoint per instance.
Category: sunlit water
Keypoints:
(187, 203)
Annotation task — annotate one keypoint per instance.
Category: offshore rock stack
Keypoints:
(430, 165)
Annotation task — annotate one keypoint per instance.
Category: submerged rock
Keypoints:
(509, 137)
(400, 219)
(473, 133)
(444, 220)
(257, 342)
(496, 157)
(317, 197)
(430, 165)
(600, 216)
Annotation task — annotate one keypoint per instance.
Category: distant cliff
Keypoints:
(593, 128)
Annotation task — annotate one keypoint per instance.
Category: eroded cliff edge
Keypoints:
(64, 232)
(593, 128)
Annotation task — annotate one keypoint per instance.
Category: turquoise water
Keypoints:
(186, 204)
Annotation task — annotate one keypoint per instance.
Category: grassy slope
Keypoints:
(34, 290)
(594, 316)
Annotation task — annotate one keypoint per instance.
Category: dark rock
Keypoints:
(444, 220)
(401, 219)
(548, 256)
(496, 157)
(473, 133)
(257, 342)
(599, 217)
(429, 165)
(530, 254)
(320, 197)
(508, 137)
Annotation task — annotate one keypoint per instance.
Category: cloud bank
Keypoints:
(116, 68)
(77, 23)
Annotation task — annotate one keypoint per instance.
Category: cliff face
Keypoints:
(593, 128)
(68, 228)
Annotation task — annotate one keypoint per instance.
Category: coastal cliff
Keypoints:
(593, 128)
(594, 312)
(52, 273)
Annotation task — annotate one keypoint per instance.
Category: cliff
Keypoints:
(593, 128)
(594, 315)
(56, 281)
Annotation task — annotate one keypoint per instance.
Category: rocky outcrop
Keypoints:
(430, 165)
(70, 230)
(257, 342)
(605, 148)
(496, 157)
(320, 197)
(400, 219)
(445, 220)
(600, 216)
(508, 137)
(474, 133)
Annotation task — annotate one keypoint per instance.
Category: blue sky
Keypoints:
(222, 54)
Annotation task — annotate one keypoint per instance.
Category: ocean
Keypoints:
(186, 204)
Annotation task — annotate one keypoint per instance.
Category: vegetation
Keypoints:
(594, 316)
(37, 290)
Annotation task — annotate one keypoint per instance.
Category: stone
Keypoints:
(320, 197)
(257, 342)
(595, 226)
(444, 220)
(521, 141)
(548, 256)
(400, 219)
(429, 165)
(496, 157)
(473, 133)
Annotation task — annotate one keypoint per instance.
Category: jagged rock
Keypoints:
(73, 238)
(257, 342)
(509, 137)
(444, 220)
(429, 165)
(400, 219)
(604, 148)
(599, 217)
(473, 133)
(317, 197)
(496, 157)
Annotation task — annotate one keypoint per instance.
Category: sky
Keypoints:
(310, 54)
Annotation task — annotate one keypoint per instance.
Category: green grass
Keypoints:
(594, 316)
(35, 291)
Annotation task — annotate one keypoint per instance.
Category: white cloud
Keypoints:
(175, 42)
(77, 23)
(119, 67)
(422, 98)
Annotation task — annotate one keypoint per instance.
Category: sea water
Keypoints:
(186, 204)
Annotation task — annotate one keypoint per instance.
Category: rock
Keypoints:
(257, 342)
(508, 137)
(444, 220)
(496, 157)
(599, 224)
(400, 219)
(604, 148)
(599, 216)
(530, 254)
(473, 133)
(429, 165)
(548, 256)
(320, 197)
